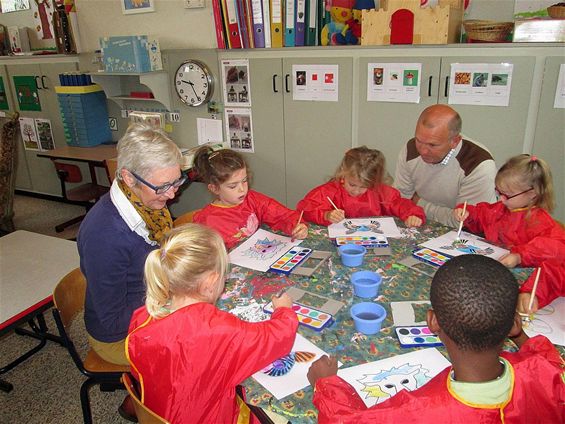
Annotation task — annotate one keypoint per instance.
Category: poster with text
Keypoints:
(394, 82)
(236, 82)
(44, 134)
(239, 129)
(481, 84)
(315, 83)
(29, 136)
(560, 89)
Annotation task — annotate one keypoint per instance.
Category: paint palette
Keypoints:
(431, 257)
(417, 336)
(307, 316)
(290, 260)
(367, 241)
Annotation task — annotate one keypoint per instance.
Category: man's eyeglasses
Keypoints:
(500, 194)
(162, 188)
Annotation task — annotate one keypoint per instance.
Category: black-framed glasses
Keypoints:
(499, 193)
(162, 188)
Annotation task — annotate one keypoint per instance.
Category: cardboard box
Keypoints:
(541, 30)
(131, 54)
(19, 40)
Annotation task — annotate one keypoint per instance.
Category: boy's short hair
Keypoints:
(474, 299)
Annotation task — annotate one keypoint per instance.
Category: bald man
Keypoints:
(438, 169)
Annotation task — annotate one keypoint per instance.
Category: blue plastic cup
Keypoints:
(368, 317)
(366, 283)
(352, 254)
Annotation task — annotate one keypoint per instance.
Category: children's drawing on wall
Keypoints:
(14, 5)
(451, 245)
(393, 82)
(29, 135)
(239, 129)
(43, 18)
(26, 93)
(364, 226)
(45, 134)
(378, 381)
(549, 322)
(261, 250)
(236, 82)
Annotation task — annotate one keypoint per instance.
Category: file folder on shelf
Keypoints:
(300, 23)
(289, 10)
(276, 24)
(267, 22)
(230, 19)
(258, 27)
(311, 23)
(219, 24)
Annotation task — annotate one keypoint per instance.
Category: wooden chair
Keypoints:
(144, 414)
(111, 168)
(85, 194)
(68, 298)
(186, 218)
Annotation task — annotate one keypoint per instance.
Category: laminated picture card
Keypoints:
(131, 54)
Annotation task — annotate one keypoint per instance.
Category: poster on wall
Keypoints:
(315, 83)
(239, 129)
(44, 134)
(26, 93)
(29, 136)
(14, 5)
(235, 82)
(394, 82)
(559, 102)
(3, 96)
(43, 19)
(481, 84)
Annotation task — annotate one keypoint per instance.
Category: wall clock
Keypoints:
(194, 83)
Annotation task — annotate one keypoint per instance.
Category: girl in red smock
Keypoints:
(357, 191)
(188, 355)
(238, 211)
(521, 222)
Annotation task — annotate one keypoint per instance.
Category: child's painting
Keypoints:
(549, 322)
(365, 226)
(261, 250)
(44, 134)
(410, 312)
(29, 135)
(467, 243)
(378, 381)
(287, 375)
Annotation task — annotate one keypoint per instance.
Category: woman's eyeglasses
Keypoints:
(500, 194)
(162, 188)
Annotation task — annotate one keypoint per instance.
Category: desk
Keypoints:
(94, 156)
(32, 265)
(332, 280)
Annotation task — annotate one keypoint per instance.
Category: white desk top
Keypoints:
(31, 265)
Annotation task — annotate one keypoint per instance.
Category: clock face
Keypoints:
(194, 83)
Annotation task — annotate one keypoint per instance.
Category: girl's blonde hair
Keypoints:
(216, 167)
(366, 164)
(187, 254)
(529, 171)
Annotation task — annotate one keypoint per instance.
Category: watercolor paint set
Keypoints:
(290, 260)
(417, 336)
(431, 257)
(307, 316)
(367, 241)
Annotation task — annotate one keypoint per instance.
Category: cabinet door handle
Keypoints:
(286, 83)
(43, 82)
(275, 83)
(445, 91)
(430, 86)
(37, 82)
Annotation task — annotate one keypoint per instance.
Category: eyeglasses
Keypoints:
(499, 193)
(162, 188)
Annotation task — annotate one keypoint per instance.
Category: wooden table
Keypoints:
(94, 156)
(32, 265)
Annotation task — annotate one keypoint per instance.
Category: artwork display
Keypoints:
(137, 6)
(29, 136)
(45, 134)
(261, 250)
(315, 83)
(239, 129)
(235, 82)
(394, 82)
(449, 244)
(365, 226)
(482, 84)
(549, 322)
(378, 381)
(26, 93)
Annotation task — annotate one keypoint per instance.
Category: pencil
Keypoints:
(333, 204)
(533, 294)
(461, 223)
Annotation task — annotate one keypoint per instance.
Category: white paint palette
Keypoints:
(417, 336)
(307, 316)
(290, 260)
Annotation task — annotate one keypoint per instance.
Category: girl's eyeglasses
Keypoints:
(162, 188)
(500, 194)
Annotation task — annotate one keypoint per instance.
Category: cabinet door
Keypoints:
(549, 141)
(316, 133)
(501, 129)
(387, 126)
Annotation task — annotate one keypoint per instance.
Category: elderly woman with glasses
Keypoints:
(119, 232)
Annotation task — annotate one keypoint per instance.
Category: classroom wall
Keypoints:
(180, 28)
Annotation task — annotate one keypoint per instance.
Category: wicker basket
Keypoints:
(556, 12)
(490, 31)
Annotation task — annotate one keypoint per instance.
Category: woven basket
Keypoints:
(556, 12)
(491, 31)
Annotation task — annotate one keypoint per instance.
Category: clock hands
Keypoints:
(192, 86)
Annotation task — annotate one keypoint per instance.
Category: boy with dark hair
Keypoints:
(474, 301)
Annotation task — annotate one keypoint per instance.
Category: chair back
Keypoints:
(186, 218)
(111, 168)
(68, 172)
(144, 414)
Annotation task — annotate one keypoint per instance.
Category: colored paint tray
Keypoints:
(307, 316)
(367, 241)
(417, 336)
(431, 257)
(290, 260)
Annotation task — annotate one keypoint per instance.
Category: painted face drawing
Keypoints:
(464, 247)
(373, 226)
(264, 249)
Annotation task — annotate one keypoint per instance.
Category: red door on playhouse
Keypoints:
(402, 27)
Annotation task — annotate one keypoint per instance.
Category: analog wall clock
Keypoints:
(194, 83)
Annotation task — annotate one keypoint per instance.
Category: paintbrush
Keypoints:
(462, 219)
(299, 219)
(530, 316)
(332, 203)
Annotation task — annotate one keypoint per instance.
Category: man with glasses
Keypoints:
(119, 232)
(438, 169)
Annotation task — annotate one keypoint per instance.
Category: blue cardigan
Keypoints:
(112, 258)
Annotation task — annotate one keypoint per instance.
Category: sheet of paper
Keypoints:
(549, 322)
(295, 379)
(209, 131)
(318, 83)
(365, 226)
(410, 312)
(394, 82)
(261, 249)
(467, 243)
(560, 89)
(378, 381)
(483, 84)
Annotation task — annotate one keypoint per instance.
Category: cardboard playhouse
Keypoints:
(405, 22)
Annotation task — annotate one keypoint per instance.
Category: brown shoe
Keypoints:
(127, 410)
